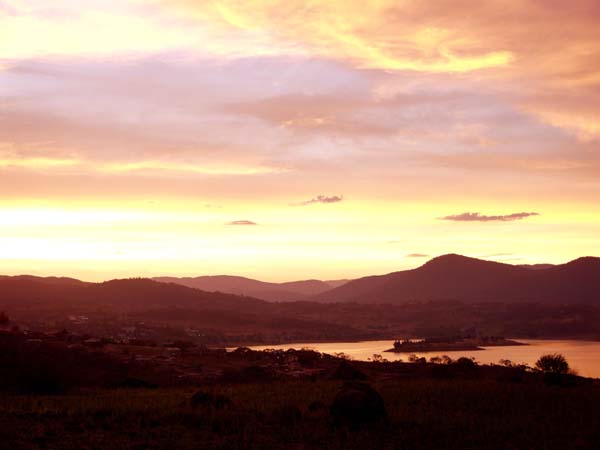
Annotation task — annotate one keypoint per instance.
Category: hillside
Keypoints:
(455, 277)
(37, 292)
(280, 292)
(446, 295)
(161, 311)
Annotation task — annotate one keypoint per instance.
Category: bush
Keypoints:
(555, 363)
(465, 363)
(357, 403)
(346, 371)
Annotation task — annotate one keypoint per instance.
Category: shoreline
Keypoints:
(354, 341)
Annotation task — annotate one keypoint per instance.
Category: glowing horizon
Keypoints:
(295, 140)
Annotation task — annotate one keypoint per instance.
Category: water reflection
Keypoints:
(583, 356)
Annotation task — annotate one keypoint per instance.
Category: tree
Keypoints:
(378, 358)
(554, 363)
(4, 320)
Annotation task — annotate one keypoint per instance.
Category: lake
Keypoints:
(583, 356)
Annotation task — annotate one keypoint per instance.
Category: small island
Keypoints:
(446, 344)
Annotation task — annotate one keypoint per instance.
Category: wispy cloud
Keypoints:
(417, 255)
(477, 217)
(322, 199)
(242, 222)
(462, 36)
(202, 169)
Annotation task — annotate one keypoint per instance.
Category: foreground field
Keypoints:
(421, 414)
(56, 394)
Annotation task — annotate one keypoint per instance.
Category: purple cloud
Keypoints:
(323, 199)
(477, 217)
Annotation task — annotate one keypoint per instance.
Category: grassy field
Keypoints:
(422, 414)
(114, 397)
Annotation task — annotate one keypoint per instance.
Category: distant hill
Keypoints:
(57, 281)
(166, 309)
(279, 292)
(455, 277)
(497, 299)
(135, 293)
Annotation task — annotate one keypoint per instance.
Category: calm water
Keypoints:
(583, 356)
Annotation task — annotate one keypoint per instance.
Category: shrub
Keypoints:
(346, 371)
(465, 363)
(554, 363)
(357, 403)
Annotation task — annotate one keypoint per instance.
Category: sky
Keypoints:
(287, 139)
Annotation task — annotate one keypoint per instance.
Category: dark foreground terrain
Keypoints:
(422, 413)
(60, 395)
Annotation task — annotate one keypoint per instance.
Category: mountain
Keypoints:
(56, 281)
(38, 292)
(279, 292)
(448, 277)
(456, 277)
(165, 312)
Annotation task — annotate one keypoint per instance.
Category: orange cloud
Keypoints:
(138, 167)
(367, 33)
(532, 45)
(407, 107)
(183, 167)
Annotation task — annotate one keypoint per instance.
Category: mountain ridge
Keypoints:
(238, 285)
(127, 293)
(457, 277)
(446, 277)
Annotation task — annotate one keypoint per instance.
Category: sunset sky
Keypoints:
(285, 139)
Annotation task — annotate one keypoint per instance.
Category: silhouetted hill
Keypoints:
(164, 311)
(455, 277)
(280, 292)
(59, 281)
(28, 291)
